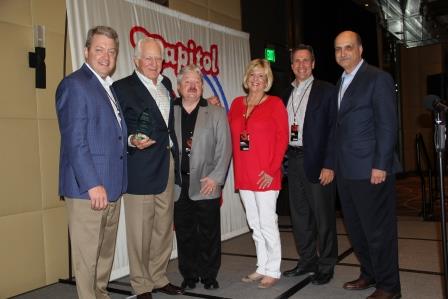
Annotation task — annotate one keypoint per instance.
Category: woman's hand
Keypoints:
(265, 180)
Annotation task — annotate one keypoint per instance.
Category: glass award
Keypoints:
(144, 126)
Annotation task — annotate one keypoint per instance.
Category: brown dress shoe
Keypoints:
(170, 290)
(382, 294)
(146, 295)
(358, 284)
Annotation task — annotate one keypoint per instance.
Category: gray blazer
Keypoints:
(211, 150)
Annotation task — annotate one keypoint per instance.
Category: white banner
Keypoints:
(220, 52)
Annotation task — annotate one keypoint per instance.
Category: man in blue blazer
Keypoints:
(311, 110)
(92, 171)
(365, 139)
(146, 98)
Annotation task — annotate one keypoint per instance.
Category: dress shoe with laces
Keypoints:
(358, 284)
(321, 278)
(382, 294)
(146, 295)
(299, 270)
(210, 283)
(170, 289)
(189, 283)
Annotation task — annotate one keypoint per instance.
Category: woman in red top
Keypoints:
(259, 127)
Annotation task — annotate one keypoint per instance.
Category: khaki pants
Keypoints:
(93, 235)
(149, 235)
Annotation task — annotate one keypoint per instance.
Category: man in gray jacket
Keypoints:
(204, 142)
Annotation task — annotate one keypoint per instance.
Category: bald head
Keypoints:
(348, 50)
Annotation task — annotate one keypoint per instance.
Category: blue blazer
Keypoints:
(148, 169)
(93, 148)
(320, 116)
(366, 128)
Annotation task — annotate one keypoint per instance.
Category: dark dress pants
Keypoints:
(370, 217)
(313, 217)
(198, 233)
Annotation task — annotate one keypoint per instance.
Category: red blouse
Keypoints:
(267, 127)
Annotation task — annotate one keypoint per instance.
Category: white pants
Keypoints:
(262, 218)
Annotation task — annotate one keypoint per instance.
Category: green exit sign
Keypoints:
(269, 54)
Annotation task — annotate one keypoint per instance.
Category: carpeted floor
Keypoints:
(420, 263)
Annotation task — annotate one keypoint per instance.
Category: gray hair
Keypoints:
(101, 30)
(189, 68)
(138, 46)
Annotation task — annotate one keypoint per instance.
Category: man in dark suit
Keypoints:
(311, 110)
(92, 170)
(146, 98)
(365, 139)
(203, 134)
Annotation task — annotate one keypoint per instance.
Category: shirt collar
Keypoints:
(296, 84)
(353, 73)
(108, 81)
(148, 81)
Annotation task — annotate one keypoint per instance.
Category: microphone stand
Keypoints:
(440, 140)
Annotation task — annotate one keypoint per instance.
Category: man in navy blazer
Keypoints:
(365, 139)
(92, 171)
(146, 98)
(311, 110)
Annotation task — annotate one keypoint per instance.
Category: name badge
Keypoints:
(244, 141)
(294, 132)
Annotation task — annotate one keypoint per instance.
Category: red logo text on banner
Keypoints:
(178, 55)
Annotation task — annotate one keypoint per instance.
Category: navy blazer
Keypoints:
(320, 116)
(366, 128)
(93, 145)
(148, 169)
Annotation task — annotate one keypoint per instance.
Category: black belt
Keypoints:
(295, 148)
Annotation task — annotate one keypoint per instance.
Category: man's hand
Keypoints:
(326, 176)
(208, 186)
(142, 143)
(214, 100)
(378, 176)
(98, 198)
(265, 180)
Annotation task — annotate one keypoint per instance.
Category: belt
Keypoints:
(295, 148)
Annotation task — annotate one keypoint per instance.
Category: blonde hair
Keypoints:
(265, 66)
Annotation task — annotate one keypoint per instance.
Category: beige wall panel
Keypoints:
(431, 54)
(49, 141)
(17, 83)
(198, 2)
(50, 13)
(54, 61)
(224, 20)
(16, 12)
(189, 8)
(230, 8)
(20, 180)
(21, 254)
(55, 243)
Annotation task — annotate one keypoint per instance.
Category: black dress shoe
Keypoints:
(170, 290)
(321, 278)
(189, 283)
(382, 294)
(210, 283)
(299, 270)
(146, 295)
